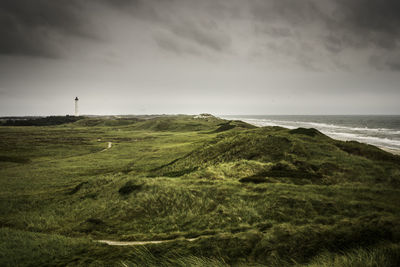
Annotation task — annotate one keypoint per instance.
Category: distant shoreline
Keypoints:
(380, 131)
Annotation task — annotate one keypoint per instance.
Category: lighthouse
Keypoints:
(76, 107)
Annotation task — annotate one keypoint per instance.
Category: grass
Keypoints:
(381, 255)
(254, 196)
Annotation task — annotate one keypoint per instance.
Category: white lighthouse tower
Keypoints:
(76, 107)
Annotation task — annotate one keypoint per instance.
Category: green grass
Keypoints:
(381, 255)
(254, 196)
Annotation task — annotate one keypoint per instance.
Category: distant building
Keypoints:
(203, 116)
(76, 107)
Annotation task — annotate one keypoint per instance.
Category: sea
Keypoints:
(379, 130)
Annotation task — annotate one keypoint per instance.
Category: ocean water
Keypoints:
(379, 130)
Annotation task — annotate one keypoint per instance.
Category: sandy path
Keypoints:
(137, 243)
(108, 146)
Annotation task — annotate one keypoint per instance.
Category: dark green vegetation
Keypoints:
(40, 121)
(253, 196)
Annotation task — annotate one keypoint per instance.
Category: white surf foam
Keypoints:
(383, 137)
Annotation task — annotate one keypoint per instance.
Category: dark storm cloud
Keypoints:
(36, 27)
(191, 26)
(171, 45)
(371, 24)
(341, 24)
(326, 27)
(365, 23)
(293, 12)
(279, 31)
(206, 35)
(333, 44)
(357, 22)
(187, 21)
(375, 20)
(394, 65)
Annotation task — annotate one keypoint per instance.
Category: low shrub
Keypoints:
(129, 187)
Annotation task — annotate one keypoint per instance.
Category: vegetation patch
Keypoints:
(95, 221)
(47, 121)
(77, 188)
(180, 172)
(306, 131)
(329, 168)
(367, 151)
(224, 127)
(14, 159)
(292, 174)
(254, 180)
(129, 187)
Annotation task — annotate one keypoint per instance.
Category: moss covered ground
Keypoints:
(251, 196)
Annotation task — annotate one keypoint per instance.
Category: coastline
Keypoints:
(388, 141)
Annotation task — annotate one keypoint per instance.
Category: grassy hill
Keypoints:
(253, 196)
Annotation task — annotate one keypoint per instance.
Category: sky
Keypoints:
(189, 57)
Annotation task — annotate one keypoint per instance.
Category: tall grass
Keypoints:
(252, 196)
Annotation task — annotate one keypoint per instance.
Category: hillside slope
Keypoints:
(299, 154)
(251, 196)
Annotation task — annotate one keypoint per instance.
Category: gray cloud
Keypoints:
(191, 56)
(169, 44)
(36, 27)
(394, 65)
(328, 28)
(187, 21)
(206, 34)
(333, 44)
(360, 22)
(363, 24)
(332, 25)
(371, 16)
(293, 12)
(367, 24)
(386, 61)
(279, 31)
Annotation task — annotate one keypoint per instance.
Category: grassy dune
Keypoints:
(254, 196)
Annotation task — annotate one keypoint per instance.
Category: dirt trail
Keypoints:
(137, 243)
(108, 146)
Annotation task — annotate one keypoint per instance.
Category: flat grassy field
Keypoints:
(249, 196)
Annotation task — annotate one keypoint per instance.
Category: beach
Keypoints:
(382, 131)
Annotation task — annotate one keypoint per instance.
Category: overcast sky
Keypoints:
(214, 56)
